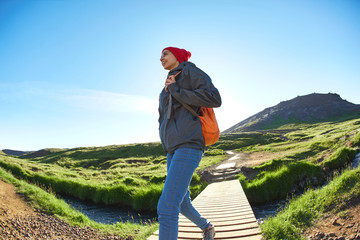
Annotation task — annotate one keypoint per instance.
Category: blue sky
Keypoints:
(87, 73)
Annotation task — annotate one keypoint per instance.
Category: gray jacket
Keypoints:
(178, 127)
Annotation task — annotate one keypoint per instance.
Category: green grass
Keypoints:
(279, 184)
(46, 201)
(341, 157)
(242, 140)
(305, 156)
(126, 175)
(310, 153)
(302, 212)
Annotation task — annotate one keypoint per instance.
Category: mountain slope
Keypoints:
(315, 107)
(14, 152)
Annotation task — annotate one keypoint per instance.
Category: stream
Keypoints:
(355, 162)
(264, 211)
(110, 214)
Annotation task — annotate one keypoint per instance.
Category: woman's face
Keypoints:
(168, 60)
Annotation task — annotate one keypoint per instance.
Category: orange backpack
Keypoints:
(209, 125)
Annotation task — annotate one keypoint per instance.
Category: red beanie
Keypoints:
(181, 54)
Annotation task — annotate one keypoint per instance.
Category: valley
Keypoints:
(308, 164)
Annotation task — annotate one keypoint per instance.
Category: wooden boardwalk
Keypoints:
(225, 205)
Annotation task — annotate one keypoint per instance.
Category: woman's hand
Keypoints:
(169, 81)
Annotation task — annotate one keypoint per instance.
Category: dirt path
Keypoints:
(11, 204)
(233, 165)
(19, 221)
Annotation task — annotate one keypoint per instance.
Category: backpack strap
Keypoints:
(187, 107)
(182, 103)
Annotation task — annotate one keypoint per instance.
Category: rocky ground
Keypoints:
(333, 227)
(19, 221)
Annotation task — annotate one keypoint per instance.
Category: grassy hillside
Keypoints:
(302, 156)
(303, 211)
(308, 155)
(46, 201)
(127, 175)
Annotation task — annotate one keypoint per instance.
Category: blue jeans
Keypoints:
(175, 197)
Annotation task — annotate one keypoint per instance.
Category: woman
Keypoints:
(182, 139)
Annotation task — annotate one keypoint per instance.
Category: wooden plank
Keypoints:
(255, 237)
(221, 208)
(237, 234)
(153, 237)
(226, 212)
(226, 228)
(219, 204)
(225, 215)
(225, 219)
(219, 223)
(225, 205)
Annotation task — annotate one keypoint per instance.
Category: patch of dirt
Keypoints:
(11, 204)
(240, 162)
(344, 226)
(257, 158)
(19, 221)
(243, 159)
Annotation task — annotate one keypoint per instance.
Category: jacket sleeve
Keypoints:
(203, 92)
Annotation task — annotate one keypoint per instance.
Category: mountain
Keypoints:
(14, 152)
(42, 152)
(315, 107)
(33, 154)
